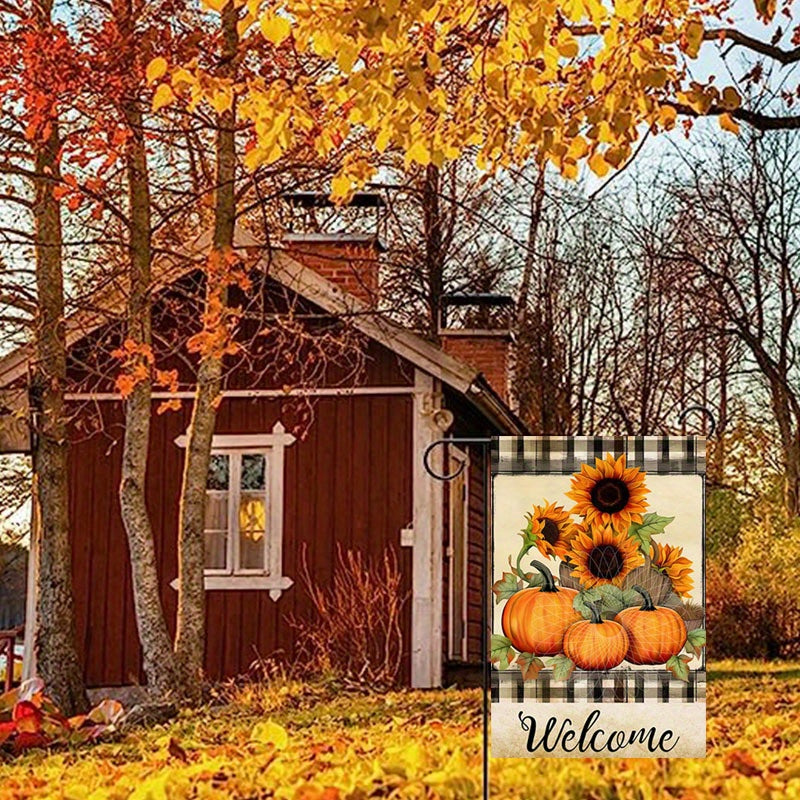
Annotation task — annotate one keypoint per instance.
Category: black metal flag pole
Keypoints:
(484, 442)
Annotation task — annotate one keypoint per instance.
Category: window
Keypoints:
(237, 533)
(244, 512)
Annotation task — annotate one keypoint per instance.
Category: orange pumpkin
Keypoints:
(596, 643)
(535, 619)
(656, 633)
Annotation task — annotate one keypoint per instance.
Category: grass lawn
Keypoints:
(306, 742)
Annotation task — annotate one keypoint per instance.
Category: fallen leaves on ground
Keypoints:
(305, 742)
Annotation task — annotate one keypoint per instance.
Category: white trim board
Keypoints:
(244, 583)
(427, 555)
(275, 394)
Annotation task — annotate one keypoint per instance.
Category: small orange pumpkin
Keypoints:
(536, 618)
(656, 633)
(596, 643)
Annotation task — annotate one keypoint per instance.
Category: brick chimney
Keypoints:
(348, 258)
(485, 338)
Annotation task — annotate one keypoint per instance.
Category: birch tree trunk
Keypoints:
(157, 655)
(56, 656)
(190, 634)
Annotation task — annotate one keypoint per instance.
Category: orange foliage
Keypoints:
(224, 268)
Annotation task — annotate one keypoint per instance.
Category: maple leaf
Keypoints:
(168, 405)
(508, 586)
(651, 525)
(696, 641)
(530, 666)
(562, 666)
(742, 762)
(501, 651)
(679, 666)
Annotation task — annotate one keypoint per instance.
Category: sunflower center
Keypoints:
(550, 531)
(606, 561)
(610, 495)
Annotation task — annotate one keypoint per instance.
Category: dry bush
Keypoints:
(355, 630)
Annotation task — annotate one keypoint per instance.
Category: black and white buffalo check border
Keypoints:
(614, 686)
(563, 455)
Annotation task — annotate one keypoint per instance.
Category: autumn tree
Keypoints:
(39, 68)
(212, 346)
(738, 219)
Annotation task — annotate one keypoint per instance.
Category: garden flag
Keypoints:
(598, 627)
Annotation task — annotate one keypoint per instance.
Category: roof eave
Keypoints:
(493, 407)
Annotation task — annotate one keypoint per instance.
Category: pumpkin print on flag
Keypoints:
(598, 590)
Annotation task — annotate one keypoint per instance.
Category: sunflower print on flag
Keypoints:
(552, 528)
(671, 562)
(609, 493)
(602, 555)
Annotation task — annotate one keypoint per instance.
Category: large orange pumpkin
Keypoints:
(535, 619)
(596, 643)
(656, 633)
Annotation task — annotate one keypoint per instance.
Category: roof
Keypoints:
(108, 301)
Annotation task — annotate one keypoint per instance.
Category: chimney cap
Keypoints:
(323, 200)
(477, 299)
(335, 238)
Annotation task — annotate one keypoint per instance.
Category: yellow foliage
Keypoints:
(423, 78)
(275, 28)
(156, 69)
(163, 97)
(270, 733)
(294, 741)
(728, 123)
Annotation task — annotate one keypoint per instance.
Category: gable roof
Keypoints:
(278, 264)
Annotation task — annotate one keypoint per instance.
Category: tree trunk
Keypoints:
(432, 231)
(157, 655)
(56, 657)
(190, 635)
(525, 351)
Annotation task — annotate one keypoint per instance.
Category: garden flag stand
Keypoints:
(597, 581)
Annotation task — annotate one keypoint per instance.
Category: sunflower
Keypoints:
(603, 555)
(575, 529)
(669, 561)
(551, 528)
(609, 493)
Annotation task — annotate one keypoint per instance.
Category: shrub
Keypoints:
(355, 631)
(752, 591)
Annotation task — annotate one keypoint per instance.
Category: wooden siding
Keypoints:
(347, 481)
(469, 423)
(263, 361)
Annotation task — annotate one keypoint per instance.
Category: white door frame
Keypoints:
(427, 608)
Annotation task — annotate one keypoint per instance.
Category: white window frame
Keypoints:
(272, 447)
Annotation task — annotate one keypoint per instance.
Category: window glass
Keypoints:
(216, 529)
(218, 472)
(252, 530)
(217, 512)
(216, 549)
(253, 469)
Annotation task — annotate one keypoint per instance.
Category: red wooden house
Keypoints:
(356, 478)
